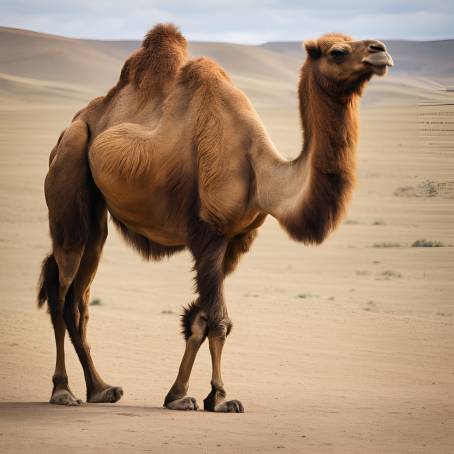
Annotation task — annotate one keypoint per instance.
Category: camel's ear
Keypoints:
(312, 48)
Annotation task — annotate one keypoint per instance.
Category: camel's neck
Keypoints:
(308, 195)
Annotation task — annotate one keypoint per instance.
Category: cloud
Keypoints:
(252, 21)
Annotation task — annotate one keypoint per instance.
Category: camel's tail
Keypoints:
(48, 282)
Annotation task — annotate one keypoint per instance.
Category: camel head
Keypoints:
(342, 64)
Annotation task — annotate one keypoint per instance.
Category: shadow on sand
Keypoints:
(40, 410)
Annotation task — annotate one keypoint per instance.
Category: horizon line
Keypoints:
(411, 40)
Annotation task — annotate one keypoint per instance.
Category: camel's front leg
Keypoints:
(195, 333)
(207, 317)
(215, 401)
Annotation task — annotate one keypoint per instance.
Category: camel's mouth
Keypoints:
(379, 61)
(379, 70)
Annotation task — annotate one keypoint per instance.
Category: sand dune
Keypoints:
(95, 65)
(347, 347)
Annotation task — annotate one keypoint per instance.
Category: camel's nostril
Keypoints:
(377, 47)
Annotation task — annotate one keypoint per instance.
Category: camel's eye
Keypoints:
(339, 52)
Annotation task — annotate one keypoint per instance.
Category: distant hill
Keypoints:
(38, 66)
(26, 53)
(34, 61)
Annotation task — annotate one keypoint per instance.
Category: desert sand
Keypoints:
(342, 348)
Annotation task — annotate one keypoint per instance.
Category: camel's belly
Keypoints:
(151, 223)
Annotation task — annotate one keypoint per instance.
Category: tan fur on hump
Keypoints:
(126, 151)
(154, 67)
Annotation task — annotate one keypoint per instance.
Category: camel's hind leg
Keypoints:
(76, 315)
(54, 290)
(63, 196)
(78, 227)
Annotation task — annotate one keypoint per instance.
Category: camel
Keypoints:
(177, 155)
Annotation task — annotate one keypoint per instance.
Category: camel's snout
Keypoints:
(376, 46)
(378, 55)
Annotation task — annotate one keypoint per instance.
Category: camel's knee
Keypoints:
(219, 327)
(197, 323)
(194, 321)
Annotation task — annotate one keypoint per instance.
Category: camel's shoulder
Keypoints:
(222, 168)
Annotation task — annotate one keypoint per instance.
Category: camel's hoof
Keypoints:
(112, 394)
(229, 406)
(185, 403)
(64, 397)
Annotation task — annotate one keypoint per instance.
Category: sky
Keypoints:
(240, 21)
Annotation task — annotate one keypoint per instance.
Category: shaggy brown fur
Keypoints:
(147, 248)
(153, 68)
(178, 156)
(332, 122)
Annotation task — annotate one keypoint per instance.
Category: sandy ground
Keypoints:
(344, 348)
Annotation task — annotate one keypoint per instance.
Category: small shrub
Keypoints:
(444, 314)
(378, 222)
(95, 302)
(427, 188)
(306, 295)
(388, 274)
(405, 191)
(371, 306)
(427, 243)
(386, 244)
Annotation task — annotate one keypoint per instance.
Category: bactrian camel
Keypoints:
(180, 159)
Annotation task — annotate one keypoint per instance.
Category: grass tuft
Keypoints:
(167, 311)
(388, 274)
(427, 243)
(386, 244)
(306, 295)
